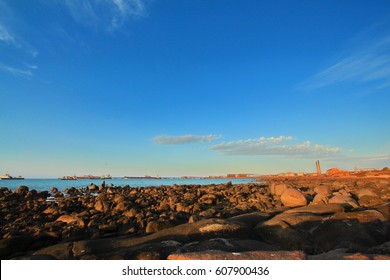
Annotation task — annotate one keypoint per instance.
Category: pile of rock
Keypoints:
(283, 219)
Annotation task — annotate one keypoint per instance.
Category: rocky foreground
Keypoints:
(279, 218)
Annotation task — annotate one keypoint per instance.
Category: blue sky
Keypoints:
(171, 87)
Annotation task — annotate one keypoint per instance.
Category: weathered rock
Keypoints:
(383, 249)
(293, 198)
(155, 226)
(367, 201)
(253, 255)
(71, 219)
(323, 189)
(344, 200)
(290, 231)
(322, 209)
(343, 254)
(278, 189)
(320, 199)
(14, 244)
(130, 213)
(101, 205)
(353, 230)
(366, 192)
(54, 190)
(22, 190)
(250, 220)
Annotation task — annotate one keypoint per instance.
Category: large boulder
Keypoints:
(354, 230)
(155, 226)
(293, 198)
(344, 200)
(71, 219)
(252, 255)
(278, 188)
(323, 189)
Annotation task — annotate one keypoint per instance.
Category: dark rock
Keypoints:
(155, 226)
(22, 190)
(14, 244)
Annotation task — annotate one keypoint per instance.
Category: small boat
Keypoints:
(6, 176)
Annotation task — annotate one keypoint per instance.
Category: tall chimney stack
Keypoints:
(318, 167)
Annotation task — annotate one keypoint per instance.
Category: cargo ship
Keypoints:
(141, 177)
(6, 176)
(94, 177)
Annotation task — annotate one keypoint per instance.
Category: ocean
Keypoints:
(48, 184)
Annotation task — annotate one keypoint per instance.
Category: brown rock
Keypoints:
(323, 189)
(22, 190)
(345, 200)
(278, 189)
(324, 209)
(293, 198)
(71, 219)
(366, 192)
(130, 213)
(252, 255)
(101, 205)
(155, 226)
(367, 201)
(320, 199)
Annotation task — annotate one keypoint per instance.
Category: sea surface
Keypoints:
(47, 184)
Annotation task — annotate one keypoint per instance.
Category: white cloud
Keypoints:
(5, 35)
(109, 14)
(184, 139)
(368, 63)
(274, 146)
(26, 73)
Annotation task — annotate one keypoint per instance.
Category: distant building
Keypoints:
(337, 172)
(239, 175)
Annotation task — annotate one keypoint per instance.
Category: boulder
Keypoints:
(366, 192)
(293, 198)
(290, 231)
(252, 255)
(321, 209)
(323, 189)
(71, 219)
(155, 226)
(320, 199)
(278, 189)
(353, 230)
(22, 190)
(367, 200)
(130, 213)
(345, 200)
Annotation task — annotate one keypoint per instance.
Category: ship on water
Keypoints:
(142, 177)
(6, 176)
(85, 177)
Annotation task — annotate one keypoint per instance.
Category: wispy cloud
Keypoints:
(366, 64)
(274, 146)
(5, 35)
(184, 139)
(25, 73)
(109, 14)
(363, 161)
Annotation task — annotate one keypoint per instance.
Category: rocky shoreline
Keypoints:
(279, 218)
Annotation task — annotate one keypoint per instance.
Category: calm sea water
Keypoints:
(47, 184)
